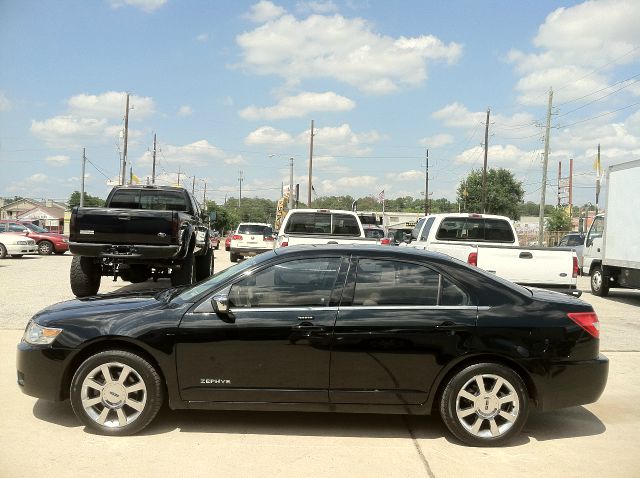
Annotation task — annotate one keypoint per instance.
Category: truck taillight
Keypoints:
(237, 237)
(268, 238)
(473, 259)
(588, 321)
(385, 241)
(284, 244)
(575, 267)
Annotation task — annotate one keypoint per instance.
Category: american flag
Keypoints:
(381, 196)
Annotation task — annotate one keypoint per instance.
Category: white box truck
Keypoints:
(612, 246)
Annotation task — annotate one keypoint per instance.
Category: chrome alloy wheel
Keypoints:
(487, 406)
(113, 394)
(596, 279)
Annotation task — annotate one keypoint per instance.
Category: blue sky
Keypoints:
(231, 86)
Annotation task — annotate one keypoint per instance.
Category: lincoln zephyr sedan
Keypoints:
(322, 328)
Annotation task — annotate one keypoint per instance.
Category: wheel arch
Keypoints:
(594, 263)
(103, 344)
(446, 374)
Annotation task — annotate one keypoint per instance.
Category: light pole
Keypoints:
(290, 184)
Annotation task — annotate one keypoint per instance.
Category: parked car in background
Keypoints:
(16, 245)
(343, 328)
(376, 232)
(575, 241)
(47, 242)
(214, 239)
(227, 242)
(250, 239)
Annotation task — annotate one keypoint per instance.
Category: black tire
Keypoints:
(599, 282)
(204, 265)
(496, 422)
(136, 274)
(186, 274)
(127, 412)
(3, 251)
(45, 248)
(17, 256)
(233, 257)
(85, 276)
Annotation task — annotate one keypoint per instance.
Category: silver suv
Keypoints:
(250, 239)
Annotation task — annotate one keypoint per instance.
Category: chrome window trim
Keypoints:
(279, 309)
(409, 307)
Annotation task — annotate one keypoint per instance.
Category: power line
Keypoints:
(598, 116)
(597, 91)
(598, 99)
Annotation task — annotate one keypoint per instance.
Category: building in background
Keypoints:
(48, 214)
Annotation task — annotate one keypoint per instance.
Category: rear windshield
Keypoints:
(254, 229)
(323, 223)
(153, 199)
(475, 229)
(376, 233)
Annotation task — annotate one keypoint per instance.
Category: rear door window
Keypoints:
(476, 230)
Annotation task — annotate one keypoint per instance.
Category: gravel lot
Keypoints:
(594, 440)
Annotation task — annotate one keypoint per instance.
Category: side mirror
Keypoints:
(220, 305)
(406, 237)
(588, 243)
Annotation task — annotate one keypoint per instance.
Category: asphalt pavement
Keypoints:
(45, 439)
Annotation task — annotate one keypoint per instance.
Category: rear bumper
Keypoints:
(125, 252)
(569, 384)
(249, 251)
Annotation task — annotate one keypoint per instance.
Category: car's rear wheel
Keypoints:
(599, 282)
(116, 392)
(45, 248)
(3, 251)
(485, 404)
(85, 276)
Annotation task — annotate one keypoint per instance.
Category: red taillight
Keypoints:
(385, 241)
(588, 321)
(575, 267)
(236, 237)
(267, 238)
(473, 259)
(284, 244)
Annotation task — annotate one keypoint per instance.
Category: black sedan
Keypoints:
(325, 328)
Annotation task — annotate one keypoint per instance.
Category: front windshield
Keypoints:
(220, 277)
(35, 228)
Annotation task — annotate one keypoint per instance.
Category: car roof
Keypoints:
(373, 249)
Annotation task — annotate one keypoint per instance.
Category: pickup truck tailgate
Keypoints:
(117, 226)
(526, 265)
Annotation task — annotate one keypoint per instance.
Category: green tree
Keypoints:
(559, 220)
(504, 193)
(89, 200)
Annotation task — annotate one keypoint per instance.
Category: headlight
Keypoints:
(37, 335)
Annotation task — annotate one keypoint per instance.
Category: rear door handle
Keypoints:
(526, 255)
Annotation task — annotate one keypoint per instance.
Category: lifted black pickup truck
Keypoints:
(142, 232)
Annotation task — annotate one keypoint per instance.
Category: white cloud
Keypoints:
(348, 50)
(202, 37)
(5, 104)
(227, 101)
(37, 178)
(499, 155)
(345, 184)
(185, 110)
(196, 153)
(58, 160)
(147, 6)
(264, 11)
(268, 135)
(299, 106)
(317, 7)
(111, 105)
(410, 175)
(66, 130)
(572, 43)
(341, 140)
(238, 159)
(437, 141)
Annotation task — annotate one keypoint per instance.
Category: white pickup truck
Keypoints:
(324, 226)
(491, 243)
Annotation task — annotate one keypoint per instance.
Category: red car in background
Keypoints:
(227, 242)
(47, 242)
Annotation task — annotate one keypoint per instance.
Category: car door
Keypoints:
(399, 323)
(273, 345)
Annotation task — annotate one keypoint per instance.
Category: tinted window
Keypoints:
(597, 228)
(574, 240)
(453, 295)
(475, 229)
(385, 282)
(3, 228)
(35, 228)
(150, 199)
(309, 223)
(299, 283)
(16, 227)
(416, 230)
(375, 233)
(344, 225)
(427, 228)
(254, 229)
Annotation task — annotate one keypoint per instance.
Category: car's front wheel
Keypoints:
(485, 404)
(116, 392)
(45, 248)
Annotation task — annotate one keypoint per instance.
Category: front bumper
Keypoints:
(21, 248)
(61, 246)
(40, 370)
(568, 384)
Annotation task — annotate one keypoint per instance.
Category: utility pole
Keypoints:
(291, 184)
(240, 179)
(153, 171)
(571, 188)
(597, 180)
(310, 166)
(559, 182)
(204, 196)
(178, 176)
(123, 178)
(84, 161)
(484, 170)
(426, 186)
(193, 186)
(543, 190)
